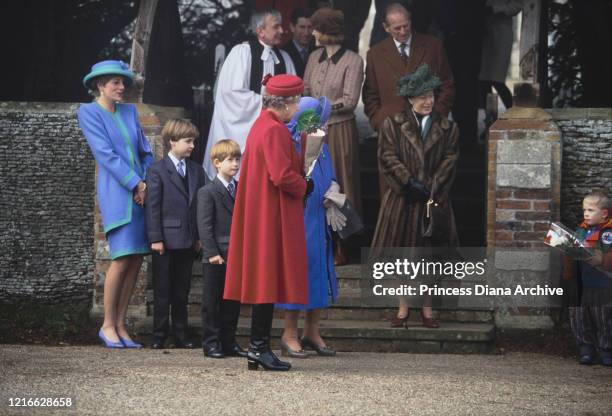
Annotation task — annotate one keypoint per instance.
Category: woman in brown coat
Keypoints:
(337, 73)
(417, 155)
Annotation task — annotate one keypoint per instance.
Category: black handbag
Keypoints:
(354, 224)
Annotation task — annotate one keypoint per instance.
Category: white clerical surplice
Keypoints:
(236, 105)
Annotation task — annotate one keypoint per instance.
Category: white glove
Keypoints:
(333, 195)
(335, 218)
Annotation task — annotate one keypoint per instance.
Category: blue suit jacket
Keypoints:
(170, 209)
(123, 155)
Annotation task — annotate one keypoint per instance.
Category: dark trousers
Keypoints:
(171, 283)
(219, 316)
(592, 328)
(261, 324)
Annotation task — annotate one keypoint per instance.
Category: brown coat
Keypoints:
(384, 67)
(339, 78)
(402, 155)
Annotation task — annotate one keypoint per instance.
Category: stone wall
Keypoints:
(46, 205)
(587, 157)
(52, 248)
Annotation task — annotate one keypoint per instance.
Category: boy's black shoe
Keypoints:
(234, 351)
(213, 351)
(586, 359)
(188, 345)
(158, 344)
(606, 360)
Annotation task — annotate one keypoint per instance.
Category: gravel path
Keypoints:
(183, 382)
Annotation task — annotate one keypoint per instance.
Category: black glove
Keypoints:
(417, 191)
(309, 187)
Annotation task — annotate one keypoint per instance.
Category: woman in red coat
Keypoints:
(267, 260)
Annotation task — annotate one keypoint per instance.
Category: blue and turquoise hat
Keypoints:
(109, 68)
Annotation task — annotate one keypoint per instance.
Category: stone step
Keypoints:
(377, 336)
(351, 306)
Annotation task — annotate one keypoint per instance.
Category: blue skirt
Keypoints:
(130, 238)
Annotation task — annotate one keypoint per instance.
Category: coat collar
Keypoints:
(270, 115)
(411, 130)
(226, 198)
(176, 179)
(335, 57)
(390, 53)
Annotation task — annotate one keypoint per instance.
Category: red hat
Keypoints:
(283, 85)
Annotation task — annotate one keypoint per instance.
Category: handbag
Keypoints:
(354, 224)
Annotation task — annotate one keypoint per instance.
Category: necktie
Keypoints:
(181, 169)
(403, 53)
(231, 188)
(303, 52)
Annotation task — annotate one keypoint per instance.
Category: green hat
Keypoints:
(109, 68)
(418, 83)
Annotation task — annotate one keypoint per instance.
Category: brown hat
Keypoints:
(328, 21)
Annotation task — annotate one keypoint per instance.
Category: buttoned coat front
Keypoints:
(123, 154)
(267, 260)
(215, 208)
(170, 208)
(385, 66)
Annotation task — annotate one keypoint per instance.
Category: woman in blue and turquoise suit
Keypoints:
(312, 114)
(123, 155)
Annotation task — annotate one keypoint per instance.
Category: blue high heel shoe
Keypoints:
(128, 343)
(107, 342)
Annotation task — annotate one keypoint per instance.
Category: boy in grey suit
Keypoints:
(214, 218)
(170, 208)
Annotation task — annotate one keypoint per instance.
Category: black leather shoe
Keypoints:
(213, 351)
(158, 344)
(234, 351)
(260, 354)
(188, 345)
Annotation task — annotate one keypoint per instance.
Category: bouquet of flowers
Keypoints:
(314, 144)
(563, 239)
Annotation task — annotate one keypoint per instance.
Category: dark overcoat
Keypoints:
(384, 67)
(403, 154)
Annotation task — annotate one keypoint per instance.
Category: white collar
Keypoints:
(423, 120)
(398, 44)
(267, 52)
(175, 160)
(224, 182)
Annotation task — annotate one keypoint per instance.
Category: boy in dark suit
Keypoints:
(170, 206)
(215, 207)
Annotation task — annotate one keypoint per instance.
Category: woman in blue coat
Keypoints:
(123, 155)
(313, 113)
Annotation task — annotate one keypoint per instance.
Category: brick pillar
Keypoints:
(523, 197)
(151, 119)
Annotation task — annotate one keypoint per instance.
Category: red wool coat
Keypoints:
(267, 261)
